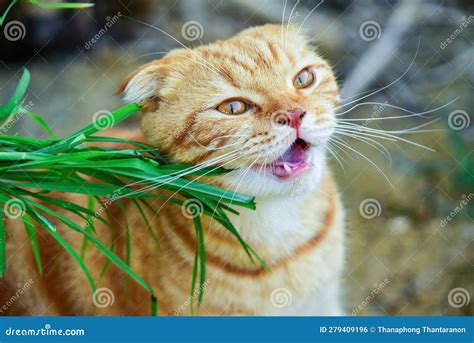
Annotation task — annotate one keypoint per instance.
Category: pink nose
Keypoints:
(296, 115)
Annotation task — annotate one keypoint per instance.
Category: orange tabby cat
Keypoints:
(261, 102)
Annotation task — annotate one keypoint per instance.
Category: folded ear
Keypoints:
(143, 85)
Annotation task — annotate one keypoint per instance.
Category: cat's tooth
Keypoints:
(287, 167)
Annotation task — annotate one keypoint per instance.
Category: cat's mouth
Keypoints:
(292, 162)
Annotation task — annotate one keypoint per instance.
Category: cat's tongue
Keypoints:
(292, 162)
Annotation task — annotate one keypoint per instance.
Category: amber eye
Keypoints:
(304, 79)
(233, 107)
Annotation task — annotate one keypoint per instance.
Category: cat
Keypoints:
(261, 103)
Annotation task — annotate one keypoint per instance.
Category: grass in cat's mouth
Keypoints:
(292, 162)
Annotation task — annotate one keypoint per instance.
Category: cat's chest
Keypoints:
(275, 223)
(306, 255)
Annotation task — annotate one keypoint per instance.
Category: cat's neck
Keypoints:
(286, 217)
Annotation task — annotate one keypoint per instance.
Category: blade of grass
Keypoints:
(31, 231)
(15, 101)
(202, 258)
(41, 123)
(77, 138)
(3, 255)
(38, 217)
(99, 245)
(62, 5)
(89, 224)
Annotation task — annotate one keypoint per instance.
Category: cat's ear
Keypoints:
(143, 85)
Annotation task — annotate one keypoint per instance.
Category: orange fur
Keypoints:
(297, 227)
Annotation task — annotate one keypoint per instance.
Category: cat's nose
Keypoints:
(296, 115)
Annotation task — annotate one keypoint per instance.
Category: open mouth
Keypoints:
(292, 162)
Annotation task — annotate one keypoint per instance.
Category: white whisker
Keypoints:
(341, 142)
(412, 114)
(386, 86)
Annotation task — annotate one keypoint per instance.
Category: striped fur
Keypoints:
(297, 227)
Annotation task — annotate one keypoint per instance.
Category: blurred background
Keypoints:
(410, 231)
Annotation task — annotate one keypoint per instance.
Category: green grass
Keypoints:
(30, 169)
(46, 5)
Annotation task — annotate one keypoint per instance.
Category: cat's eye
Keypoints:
(304, 79)
(233, 107)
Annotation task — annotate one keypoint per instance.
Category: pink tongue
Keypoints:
(295, 154)
(294, 158)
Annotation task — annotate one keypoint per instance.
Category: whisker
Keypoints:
(309, 14)
(283, 13)
(412, 114)
(157, 184)
(214, 68)
(336, 157)
(390, 84)
(186, 171)
(409, 130)
(289, 21)
(369, 141)
(239, 141)
(384, 135)
(340, 141)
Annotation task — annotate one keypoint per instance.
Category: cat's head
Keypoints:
(261, 102)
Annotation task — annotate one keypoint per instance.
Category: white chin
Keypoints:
(263, 183)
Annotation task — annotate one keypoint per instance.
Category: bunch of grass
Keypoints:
(30, 169)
